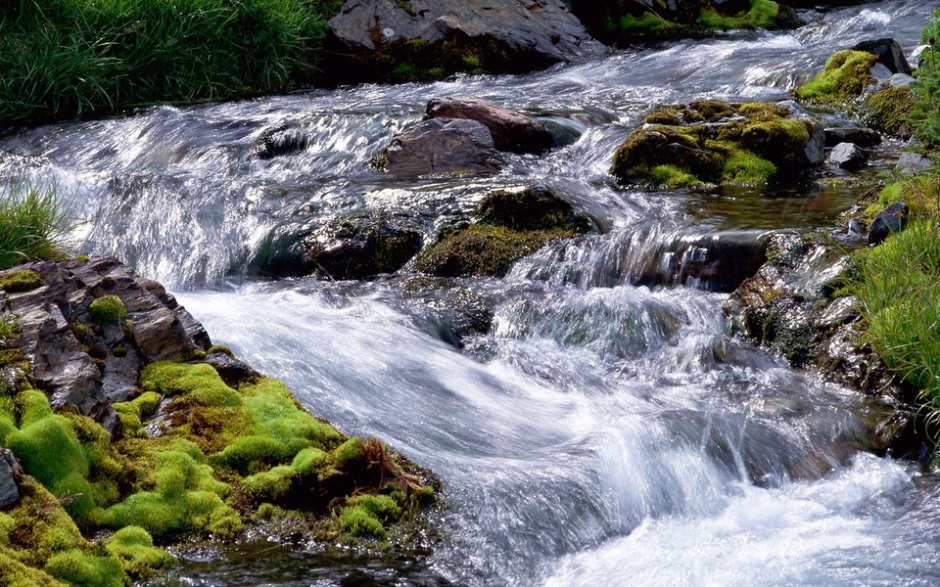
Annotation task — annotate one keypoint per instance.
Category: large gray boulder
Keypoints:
(385, 39)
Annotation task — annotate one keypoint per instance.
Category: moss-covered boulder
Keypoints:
(631, 21)
(854, 74)
(711, 142)
(511, 225)
(888, 110)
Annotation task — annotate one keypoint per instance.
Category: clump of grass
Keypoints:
(66, 57)
(31, 222)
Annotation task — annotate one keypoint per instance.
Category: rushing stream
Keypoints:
(601, 433)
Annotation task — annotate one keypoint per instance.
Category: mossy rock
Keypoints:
(20, 281)
(889, 111)
(534, 208)
(483, 250)
(107, 310)
(845, 77)
(718, 143)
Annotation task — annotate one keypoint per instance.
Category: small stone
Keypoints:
(848, 156)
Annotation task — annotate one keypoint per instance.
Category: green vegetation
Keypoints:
(753, 150)
(763, 14)
(20, 281)
(898, 282)
(107, 310)
(67, 57)
(30, 222)
(888, 111)
(223, 452)
(844, 78)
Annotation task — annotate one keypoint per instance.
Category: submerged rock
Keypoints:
(414, 39)
(511, 131)
(355, 247)
(441, 145)
(714, 142)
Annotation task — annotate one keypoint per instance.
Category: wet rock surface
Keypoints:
(848, 156)
(84, 361)
(356, 247)
(441, 145)
(511, 131)
(891, 219)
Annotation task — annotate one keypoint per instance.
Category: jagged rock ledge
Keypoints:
(118, 419)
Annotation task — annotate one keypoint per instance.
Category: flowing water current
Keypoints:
(600, 433)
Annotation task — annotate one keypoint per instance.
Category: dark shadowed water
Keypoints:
(600, 433)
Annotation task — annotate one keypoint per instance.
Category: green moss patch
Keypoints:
(845, 76)
(483, 250)
(889, 111)
(107, 310)
(744, 144)
(762, 14)
(19, 281)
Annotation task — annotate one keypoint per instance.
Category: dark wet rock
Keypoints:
(356, 247)
(80, 363)
(448, 311)
(10, 473)
(233, 371)
(441, 145)
(861, 136)
(280, 140)
(511, 225)
(848, 156)
(511, 131)
(715, 262)
(535, 208)
(891, 219)
(790, 305)
(889, 53)
(414, 39)
(739, 143)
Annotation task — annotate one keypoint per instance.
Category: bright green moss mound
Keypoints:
(844, 78)
(107, 310)
(133, 546)
(366, 515)
(199, 383)
(79, 568)
(750, 144)
(19, 281)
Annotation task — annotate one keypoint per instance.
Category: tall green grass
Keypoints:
(31, 222)
(66, 57)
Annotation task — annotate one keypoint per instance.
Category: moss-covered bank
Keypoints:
(199, 447)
